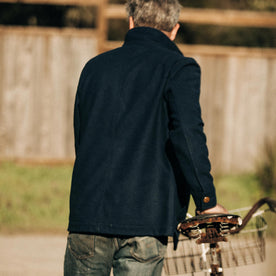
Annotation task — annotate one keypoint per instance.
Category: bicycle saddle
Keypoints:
(209, 228)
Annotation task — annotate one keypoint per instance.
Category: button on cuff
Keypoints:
(206, 199)
(208, 202)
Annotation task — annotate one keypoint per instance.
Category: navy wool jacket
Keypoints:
(140, 146)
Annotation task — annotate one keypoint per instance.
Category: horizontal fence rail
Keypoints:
(210, 16)
(228, 17)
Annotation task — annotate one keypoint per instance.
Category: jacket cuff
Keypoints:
(205, 202)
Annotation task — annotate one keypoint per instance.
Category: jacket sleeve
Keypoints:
(186, 132)
(76, 123)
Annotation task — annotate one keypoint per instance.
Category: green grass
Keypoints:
(36, 198)
(236, 191)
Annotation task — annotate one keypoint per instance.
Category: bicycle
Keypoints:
(210, 243)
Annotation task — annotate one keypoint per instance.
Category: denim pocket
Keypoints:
(81, 246)
(146, 249)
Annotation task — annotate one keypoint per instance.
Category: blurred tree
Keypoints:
(224, 35)
(47, 15)
(22, 14)
(261, 5)
(80, 16)
(266, 168)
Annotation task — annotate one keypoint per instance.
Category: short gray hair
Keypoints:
(159, 14)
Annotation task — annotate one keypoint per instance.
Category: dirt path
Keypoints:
(35, 255)
(31, 255)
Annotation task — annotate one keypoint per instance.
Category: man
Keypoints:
(140, 149)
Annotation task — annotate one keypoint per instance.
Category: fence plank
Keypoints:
(102, 25)
(214, 83)
(270, 103)
(2, 131)
(39, 84)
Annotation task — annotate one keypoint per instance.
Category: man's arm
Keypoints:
(187, 136)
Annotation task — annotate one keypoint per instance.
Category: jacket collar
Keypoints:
(146, 34)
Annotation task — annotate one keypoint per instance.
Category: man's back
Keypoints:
(123, 182)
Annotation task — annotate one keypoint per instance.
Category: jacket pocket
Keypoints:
(81, 246)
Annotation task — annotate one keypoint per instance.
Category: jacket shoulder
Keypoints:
(184, 65)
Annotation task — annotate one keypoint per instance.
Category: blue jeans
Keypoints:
(95, 255)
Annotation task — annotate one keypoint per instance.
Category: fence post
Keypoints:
(102, 25)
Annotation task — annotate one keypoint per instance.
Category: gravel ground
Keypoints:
(39, 255)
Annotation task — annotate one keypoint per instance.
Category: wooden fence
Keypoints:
(39, 74)
(39, 70)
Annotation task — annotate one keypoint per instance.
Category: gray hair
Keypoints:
(159, 14)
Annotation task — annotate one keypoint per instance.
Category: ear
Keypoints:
(173, 32)
(131, 22)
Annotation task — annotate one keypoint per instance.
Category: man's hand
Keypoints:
(217, 209)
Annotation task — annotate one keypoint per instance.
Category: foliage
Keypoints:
(226, 36)
(80, 16)
(21, 14)
(47, 15)
(266, 168)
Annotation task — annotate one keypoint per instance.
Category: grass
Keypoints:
(236, 191)
(36, 198)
